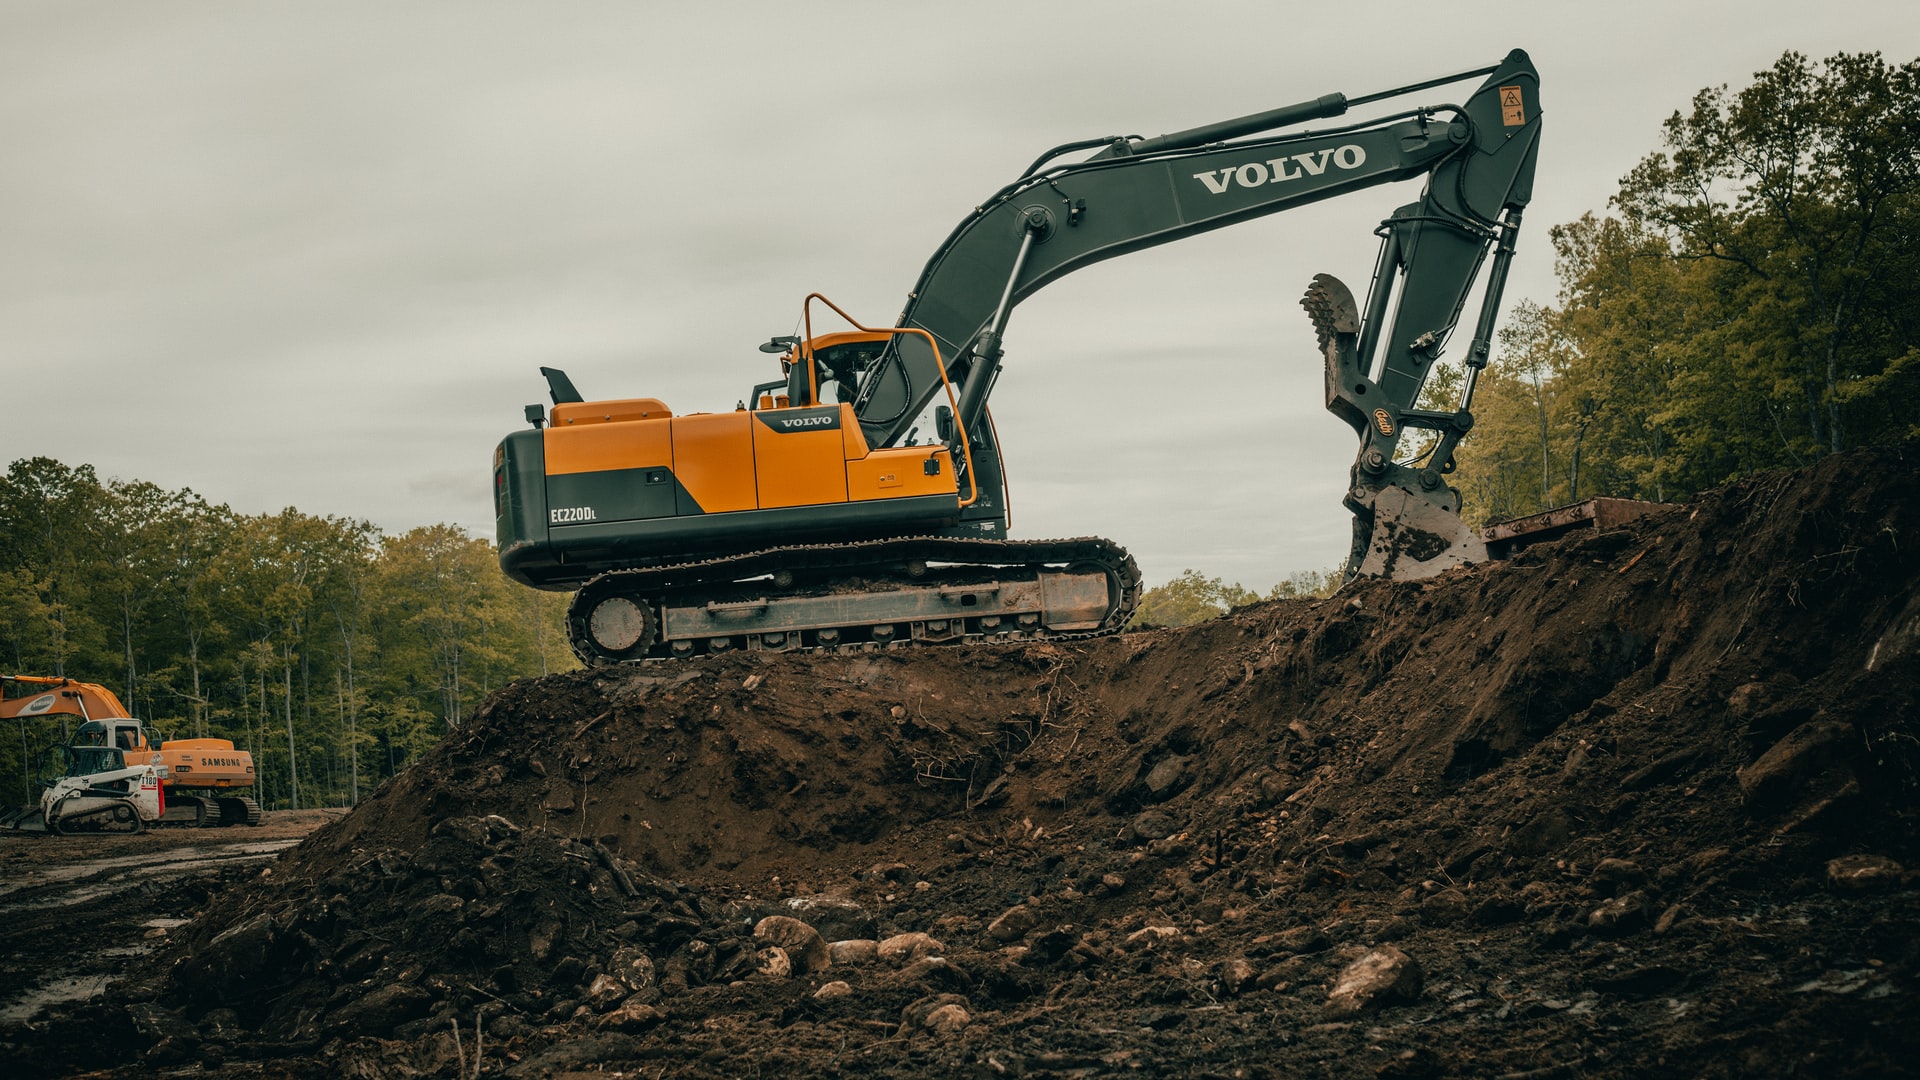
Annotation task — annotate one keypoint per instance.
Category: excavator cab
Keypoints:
(826, 370)
(125, 735)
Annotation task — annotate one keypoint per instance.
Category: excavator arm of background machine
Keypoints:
(1478, 161)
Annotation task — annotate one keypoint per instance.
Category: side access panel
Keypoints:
(610, 472)
(799, 457)
(713, 458)
(897, 473)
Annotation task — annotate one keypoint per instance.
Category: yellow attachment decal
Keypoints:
(1513, 108)
(1384, 422)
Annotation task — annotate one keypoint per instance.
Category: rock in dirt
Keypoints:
(854, 951)
(802, 943)
(1276, 786)
(381, 1010)
(1859, 873)
(631, 1016)
(773, 962)
(1444, 907)
(1165, 779)
(1382, 976)
(1611, 876)
(633, 967)
(605, 992)
(1811, 762)
(836, 918)
(1303, 939)
(1236, 975)
(1013, 924)
(1154, 825)
(833, 991)
(947, 1020)
(1148, 937)
(1620, 915)
(940, 1014)
(934, 972)
(902, 949)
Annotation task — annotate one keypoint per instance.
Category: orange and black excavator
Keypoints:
(860, 499)
(111, 777)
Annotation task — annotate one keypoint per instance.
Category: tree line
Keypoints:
(1752, 301)
(333, 652)
(1193, 597)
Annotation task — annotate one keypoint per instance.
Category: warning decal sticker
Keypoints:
(1513, 109)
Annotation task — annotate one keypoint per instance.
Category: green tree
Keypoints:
(1800, 193)
(1755, 305)
(308, 641)
(450, 631)
(1190, 598)
(48, 509)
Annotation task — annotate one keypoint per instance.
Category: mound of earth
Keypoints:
(1635, 802)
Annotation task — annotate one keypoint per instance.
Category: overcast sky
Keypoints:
(313, 254)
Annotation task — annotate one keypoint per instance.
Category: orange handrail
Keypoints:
(806, 354)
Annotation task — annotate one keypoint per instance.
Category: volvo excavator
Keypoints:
(859, 500)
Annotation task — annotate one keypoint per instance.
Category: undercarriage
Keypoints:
(863, 595)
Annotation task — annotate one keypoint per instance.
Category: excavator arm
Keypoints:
(1478, 162)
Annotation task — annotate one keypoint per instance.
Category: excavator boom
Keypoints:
(1478, 159)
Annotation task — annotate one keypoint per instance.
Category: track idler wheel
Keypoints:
(608, 628)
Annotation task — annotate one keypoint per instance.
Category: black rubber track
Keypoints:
(860, 559)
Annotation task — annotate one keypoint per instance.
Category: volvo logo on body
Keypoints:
(1282, 169)
(820, 418)
(805, 422)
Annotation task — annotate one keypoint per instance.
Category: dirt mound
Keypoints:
(1634, 802)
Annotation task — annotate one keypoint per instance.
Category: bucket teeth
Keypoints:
(1336, 319)
(1330, 305)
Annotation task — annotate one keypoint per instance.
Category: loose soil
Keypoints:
(1633, 803)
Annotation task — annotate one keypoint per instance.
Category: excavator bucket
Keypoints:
(24, 819)
(1413, 537)
(1407, 525)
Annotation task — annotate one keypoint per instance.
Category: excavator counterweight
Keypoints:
(859, 499)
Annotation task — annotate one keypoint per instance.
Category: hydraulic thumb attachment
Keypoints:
(1406, 521)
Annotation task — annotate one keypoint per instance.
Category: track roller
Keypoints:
(610, 626)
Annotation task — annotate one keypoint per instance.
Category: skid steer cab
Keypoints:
(97, 789)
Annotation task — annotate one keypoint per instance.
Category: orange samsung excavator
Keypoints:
(104, 765)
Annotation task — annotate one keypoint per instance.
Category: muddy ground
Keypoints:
(78, 912)
(1633, 803)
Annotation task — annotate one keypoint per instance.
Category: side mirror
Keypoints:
(943, 423)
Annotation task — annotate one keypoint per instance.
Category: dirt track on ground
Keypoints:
(1634, 803)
